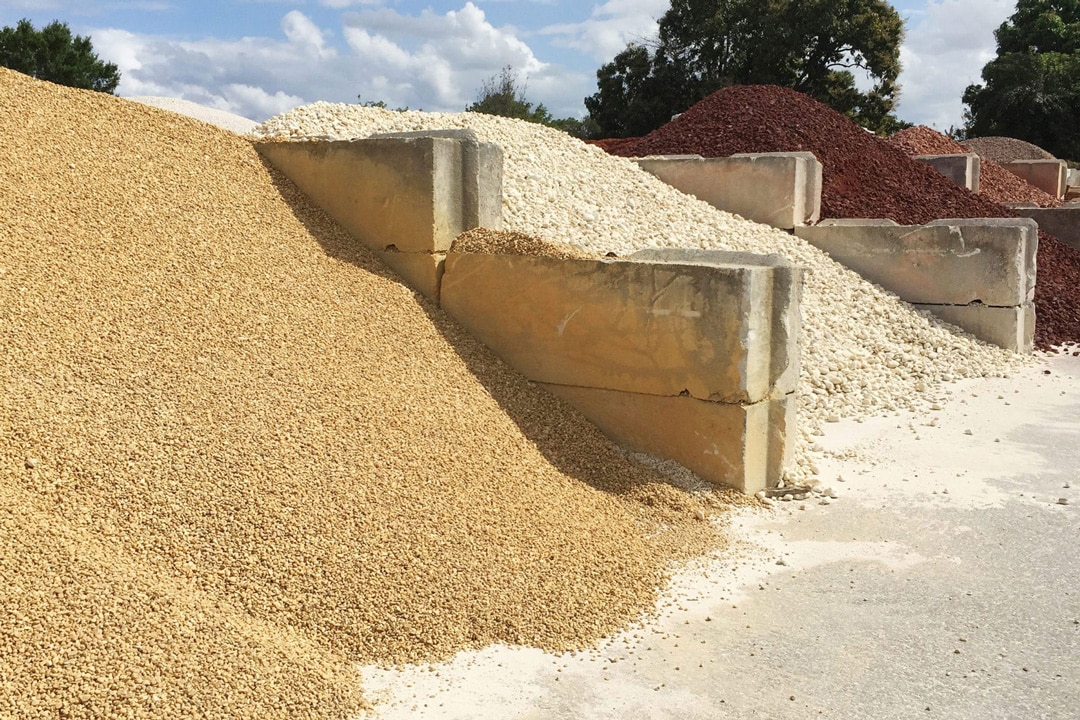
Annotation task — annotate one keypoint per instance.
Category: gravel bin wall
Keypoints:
(237, 456)
(864, 352)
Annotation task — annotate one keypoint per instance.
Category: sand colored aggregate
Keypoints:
(227, 432)
(509, 242)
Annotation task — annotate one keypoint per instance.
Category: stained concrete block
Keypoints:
(961, 169)
(1063, 222)
(742, 446)
(412, 194)
(1012, 328)
(952, 267)
(706, 331)
(1050, 176)
(778, 189)
(946, 262)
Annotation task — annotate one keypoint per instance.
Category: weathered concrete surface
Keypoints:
(691, 356)
(1012, 328)
(1063, 222)
(961, 169)
(648, 328)
(410, 194)
(778, 189)
(960, 262)
(1050, 176)
(943, 577)
(743, 446)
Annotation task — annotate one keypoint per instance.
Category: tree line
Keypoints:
(844, 53)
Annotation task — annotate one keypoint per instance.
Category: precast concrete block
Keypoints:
(946, 262)
(1012, 328)
(778, 189)
(961, 169)
(1050, 176)
(705, 331)
(741, 446)
(412, 194)
(783, 303)
(1061, 222)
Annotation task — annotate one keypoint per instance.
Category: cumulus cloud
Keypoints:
(432, 60)
(944, 51)
(609, 28)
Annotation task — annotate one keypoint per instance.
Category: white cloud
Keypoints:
(609, 28)
(301, 32)
(944, 52)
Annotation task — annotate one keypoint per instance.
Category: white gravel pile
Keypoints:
(864, 351)
(223, 119)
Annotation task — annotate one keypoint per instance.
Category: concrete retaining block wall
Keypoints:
(693, 357)
(962, 169)
(1050, 176)
(1063, 222)
(400, 194)
(778, 189)
(946, 265)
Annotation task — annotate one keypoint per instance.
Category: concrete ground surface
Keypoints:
(943, 582)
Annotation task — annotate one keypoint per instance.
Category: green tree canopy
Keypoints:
(501, 95)
(813, 46)
(53, 54)
(1031, 90)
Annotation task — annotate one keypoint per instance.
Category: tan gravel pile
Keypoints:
(235, 454)
(1006, 149)
(509, 242)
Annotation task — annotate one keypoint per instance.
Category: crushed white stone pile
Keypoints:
(237, 456)
(214, 116)
(864, 351)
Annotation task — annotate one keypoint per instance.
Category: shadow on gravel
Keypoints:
(569, 441)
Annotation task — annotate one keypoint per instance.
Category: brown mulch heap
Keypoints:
(863, 176)
(995, 182)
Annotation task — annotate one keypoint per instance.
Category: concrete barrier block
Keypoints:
(421, 271)
(1050, 176)
(1012, 328)
(778, 189)
(1063, 222)
(947, 262)
(649, 328)
(961, 169)
(742, 446)
(411, 193)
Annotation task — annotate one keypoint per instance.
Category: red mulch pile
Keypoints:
(863, 176)
(995, 182)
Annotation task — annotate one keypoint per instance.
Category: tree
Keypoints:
(1031, 90)
(501, 95)
(812, 46)
(53, 54)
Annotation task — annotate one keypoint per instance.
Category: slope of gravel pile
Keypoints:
(995, 182)
(864, 352)
(1006, 149)
(863, 176)
(237, 456)
(221, 118)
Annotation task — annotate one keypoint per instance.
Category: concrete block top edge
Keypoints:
(858, 222)
(465, 134)
(805, 154)
(715, 258)
(946, 155)
(1027, 223)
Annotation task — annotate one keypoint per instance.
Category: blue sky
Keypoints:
(257, 58)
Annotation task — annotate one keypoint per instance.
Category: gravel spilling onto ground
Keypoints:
(995, 182)
(863, 176)
(864, 352)
(237, 455)
(1006, 149)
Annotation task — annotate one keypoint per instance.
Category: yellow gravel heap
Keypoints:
(237, 456)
